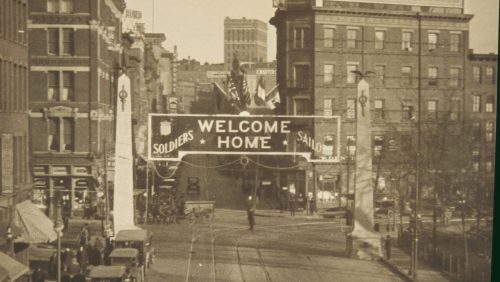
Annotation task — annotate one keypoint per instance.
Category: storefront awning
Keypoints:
(10, 268)
(36, 226)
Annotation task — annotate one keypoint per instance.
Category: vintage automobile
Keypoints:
(139, 239)
(128, 257)
(384, 208)
(115, 273)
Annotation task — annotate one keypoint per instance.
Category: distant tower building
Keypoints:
(247, 39)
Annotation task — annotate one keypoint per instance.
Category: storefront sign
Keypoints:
(81, 170)
(59, 170)
(41, 182)
(173, 136)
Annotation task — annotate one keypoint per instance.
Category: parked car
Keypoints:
(102, 273)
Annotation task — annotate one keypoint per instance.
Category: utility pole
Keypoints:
(414, 266)
(106, 192)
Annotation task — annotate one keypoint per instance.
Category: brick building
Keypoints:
(482, 89)
(15, 179)
(75, 49)
(247, 38)
(321, 43)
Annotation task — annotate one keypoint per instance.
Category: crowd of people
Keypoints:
(163, 208)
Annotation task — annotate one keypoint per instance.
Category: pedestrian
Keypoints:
(79, 277)
(65, 223)
(251, 212)
(83, 236)
(53, 264)
(38, 275)
(82, 258)
(292, 205)
(67, 259)
(95, 257)
(388, 246)
(98, 244)
(65, 277)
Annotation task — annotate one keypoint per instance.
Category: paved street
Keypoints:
(281, 248)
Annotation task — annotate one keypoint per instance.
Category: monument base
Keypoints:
(365, 245)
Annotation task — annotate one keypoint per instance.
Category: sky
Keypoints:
(196, 26)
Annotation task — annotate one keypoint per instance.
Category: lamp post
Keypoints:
(58, 226)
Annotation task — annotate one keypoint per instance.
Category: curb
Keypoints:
(392, 267)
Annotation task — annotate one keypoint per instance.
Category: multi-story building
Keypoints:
(409, 47)
(245, 38)
(15, 178)
(74, 64)
(481, 101)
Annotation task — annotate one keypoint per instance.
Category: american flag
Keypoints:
(245, 94)
(233, 92)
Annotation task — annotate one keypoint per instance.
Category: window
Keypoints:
(488, 166)
(408, 110)
(351, 108)
(490, 102)
(328, 146)
(379, 108)
(301, 107)
(68, 128)
(378, 145)
(379, 39)
(301, 37)
(455, 42)
(301, 76)
(489, 131)
(68, 41)
(54, 90)
(476, 103)
(328, 71)
(53, 136)
(352, 77)
(380, 73)
(406, 41)
(476, 131)
(432, 109)
(68, 84)
(328, 104)
(454, 77)
(66, 6)
(352, 38)
(406, 79)
(52, 6)
(329, 37)
(476, 74)
(475, 160)
(52, 86)
(490, 75)
(432, 41)
(351, 146)
(61, 134)
(53, 41)
(455, 109)
(432, 75)
(63, 6)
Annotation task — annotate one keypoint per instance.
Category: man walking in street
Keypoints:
(388, 246)
(250, 212)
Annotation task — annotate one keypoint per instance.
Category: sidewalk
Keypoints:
(400, 262)
(285, 213)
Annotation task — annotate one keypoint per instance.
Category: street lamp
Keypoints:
(58, 227)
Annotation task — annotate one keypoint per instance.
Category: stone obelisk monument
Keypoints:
(123, 205)
(365, 241)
